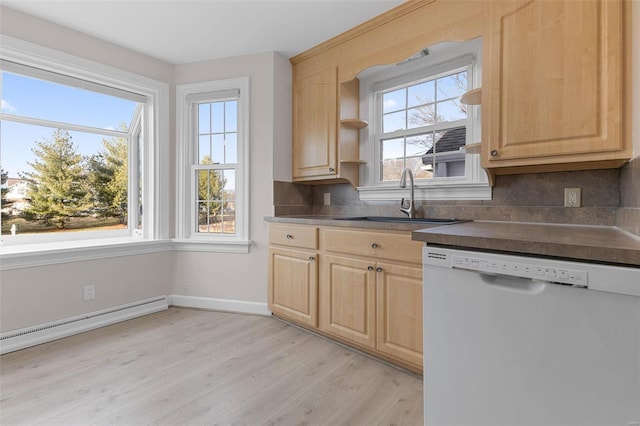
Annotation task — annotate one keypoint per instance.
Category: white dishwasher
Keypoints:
(515, 340)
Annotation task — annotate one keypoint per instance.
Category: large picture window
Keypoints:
(84, 152)
(69, 154)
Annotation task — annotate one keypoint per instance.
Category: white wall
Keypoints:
(243, 276)
(33, 296)
(282, 107)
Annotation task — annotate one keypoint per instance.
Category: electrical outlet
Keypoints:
(572, 197)
(327, 198)
(89, 292)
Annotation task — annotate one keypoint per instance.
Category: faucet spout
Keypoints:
(411, 209)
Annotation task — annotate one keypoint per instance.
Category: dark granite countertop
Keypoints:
(331, 221)
(580, 242)
(606, 244)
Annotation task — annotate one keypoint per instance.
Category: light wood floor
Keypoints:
(185, 366)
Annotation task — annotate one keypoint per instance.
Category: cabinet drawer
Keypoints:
(376, 245)
(294, 236)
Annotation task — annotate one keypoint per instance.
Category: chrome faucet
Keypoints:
(411, 210)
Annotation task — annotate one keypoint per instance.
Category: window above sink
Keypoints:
(416, 120)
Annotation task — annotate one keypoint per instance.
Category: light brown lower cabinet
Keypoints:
(348, 299)
(399, 311)
(373, 304)
(293, 273)
(361, 287)
(293, 285)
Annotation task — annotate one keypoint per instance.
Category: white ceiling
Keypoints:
(187, 31)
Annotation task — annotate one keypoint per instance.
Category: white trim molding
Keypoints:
(28, 256)
(225, 305)
(235, 246)
(443, 191)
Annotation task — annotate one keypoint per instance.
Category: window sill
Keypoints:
(39, 254)
(235, 246)
(443, 191)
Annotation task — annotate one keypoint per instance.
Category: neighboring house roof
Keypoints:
(452, 140)
(17, 189)
(14, 181)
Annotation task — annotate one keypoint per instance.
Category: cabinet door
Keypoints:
(315, 120)
(293, 285)
(347, 299)
(399, 312)
(555, 79)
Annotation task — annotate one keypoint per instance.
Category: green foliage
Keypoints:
(58, 187)
(4, 203)
(210, 190)
(108, 179)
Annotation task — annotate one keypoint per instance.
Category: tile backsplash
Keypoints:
(628, 215)
(609, 197)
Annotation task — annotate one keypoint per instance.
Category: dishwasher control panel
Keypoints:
(597, 277)
(523, 270)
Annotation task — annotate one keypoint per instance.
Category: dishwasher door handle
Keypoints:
(519, 285)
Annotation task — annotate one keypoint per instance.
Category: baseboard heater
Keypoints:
(30, 336)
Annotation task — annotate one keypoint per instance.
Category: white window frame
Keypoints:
(154, 124)
(186, 237)
(442, 59)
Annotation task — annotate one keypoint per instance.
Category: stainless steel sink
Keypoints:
(427, 221)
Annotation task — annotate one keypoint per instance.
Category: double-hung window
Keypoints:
(212, 122)
(417, 121)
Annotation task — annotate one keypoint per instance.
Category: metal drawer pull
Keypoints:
(370, 268)
(378, 269)
(494, 153)
(331, 169)
(311, 258)
(289, 237)
(374, 246)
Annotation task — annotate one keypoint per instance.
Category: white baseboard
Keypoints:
(213, 304)
(19, 339)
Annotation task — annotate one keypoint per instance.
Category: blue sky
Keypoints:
(29, 97)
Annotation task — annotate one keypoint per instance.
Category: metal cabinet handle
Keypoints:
(378, 269)
(311, 258)
(374, 246)
(289, 237)
(370, 268)
(494, 153)
(331, 169)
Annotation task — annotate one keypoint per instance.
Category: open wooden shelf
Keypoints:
(472, 97)
(471, 148)
(353, 123)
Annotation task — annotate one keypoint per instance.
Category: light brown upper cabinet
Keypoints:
(555, 88)
(325, 129)
(315, 126)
